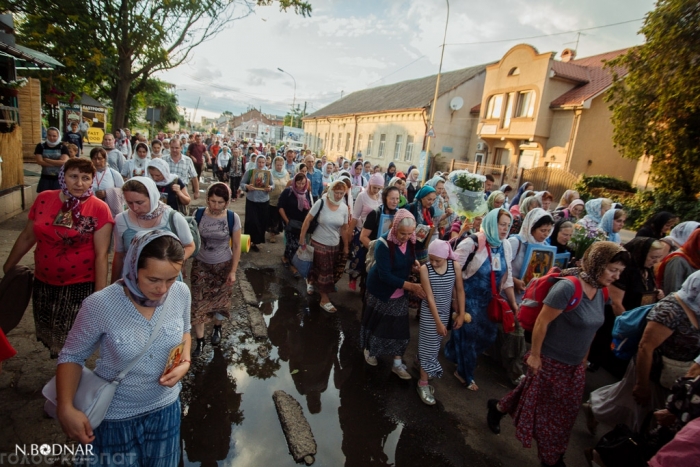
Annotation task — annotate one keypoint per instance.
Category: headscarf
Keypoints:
(357, 179)
(567, 198)
(491, 200)
(120, 142)
(376, 179)
(595, 261)
(281, 174)
(131, 260)
(489, 225)
(553, 238)
(528, 204)
(391, 164)
(58, 140)
(157, 206)
(302, 200)
(413, 175)
(606, 225)
(441, 249)
(682, 232)
(72, 203)
(530, 220)
(690, 251)
(593, 209)
(331, 196)
(161, 166)
(398, 217)
(521, 190)
(393, 181)
(573, 204)
(423, 192)
(327, 177)
(639, 248)
(690, 292)
(652, 227)
(434, 181)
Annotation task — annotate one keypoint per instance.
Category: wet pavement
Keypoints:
(360, 415)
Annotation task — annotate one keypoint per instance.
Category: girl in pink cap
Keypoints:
(441, 282)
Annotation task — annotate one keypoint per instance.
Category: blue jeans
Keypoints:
(148, 440)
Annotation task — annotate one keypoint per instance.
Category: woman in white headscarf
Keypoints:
(146, 212)
(136, 166)
(327, 172)
(173, 191)
(412, 185)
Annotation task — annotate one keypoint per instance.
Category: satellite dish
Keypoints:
(456, 103)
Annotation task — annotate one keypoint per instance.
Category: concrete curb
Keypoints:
(248, 293)
(300, 438)
(257, 323)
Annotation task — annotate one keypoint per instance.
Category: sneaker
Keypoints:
(426, 394)
(369, 359)
(401, 371)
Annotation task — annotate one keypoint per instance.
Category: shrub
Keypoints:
(592, 186)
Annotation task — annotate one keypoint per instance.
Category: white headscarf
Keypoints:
(153, 193)
(530, 220)
(680, 233)
(690, 292)
(161, 166)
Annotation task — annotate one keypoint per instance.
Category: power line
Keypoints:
(396, 71)
(546, 35)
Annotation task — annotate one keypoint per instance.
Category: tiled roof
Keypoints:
(599, 78)
(476, 109)
(570, 71)
(412, 94)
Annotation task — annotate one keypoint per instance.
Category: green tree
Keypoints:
(656, 104)
(116, 46)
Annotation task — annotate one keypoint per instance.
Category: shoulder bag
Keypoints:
(95, 394)
(498, 309)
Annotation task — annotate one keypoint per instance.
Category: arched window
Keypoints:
(515, 71)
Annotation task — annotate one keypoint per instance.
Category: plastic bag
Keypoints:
(303, 260)
(464, 202)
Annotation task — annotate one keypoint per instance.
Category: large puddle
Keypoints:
(360, 416)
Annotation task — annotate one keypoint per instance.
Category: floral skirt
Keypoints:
(210, 294)
(385, 328)
(544, 406)
(55, 309)
(322, 273)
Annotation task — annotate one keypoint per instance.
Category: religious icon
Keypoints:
(64, 219)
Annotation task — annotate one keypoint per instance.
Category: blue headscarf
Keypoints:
(593, 208)
(489, 225)
(423, 192)
(521, 190)
(438, 205)
(606, 224)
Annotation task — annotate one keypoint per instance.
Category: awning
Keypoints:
(29, 59)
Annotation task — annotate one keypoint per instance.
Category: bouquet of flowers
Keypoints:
(584, 238)
(466, 193)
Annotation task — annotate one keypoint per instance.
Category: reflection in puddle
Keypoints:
(232, 417)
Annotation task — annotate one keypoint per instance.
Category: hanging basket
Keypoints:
(51, 100)
(9, 92)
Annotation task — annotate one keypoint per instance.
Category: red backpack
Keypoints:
(537, 291)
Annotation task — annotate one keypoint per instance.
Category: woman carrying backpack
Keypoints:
(214, 267)
(545, 404)
(477, 260)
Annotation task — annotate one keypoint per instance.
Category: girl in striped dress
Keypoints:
(442, 285)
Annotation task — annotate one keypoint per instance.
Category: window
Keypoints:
(526, 104)
(347, 142)
(370, 140)
(325, 138)
(397, 147)
(318, 139)
(359, 142)
(330, 148)
(515, 71)
(495, 106)
(382, 143)
(409, 149)
(340, 137)
(509, 110)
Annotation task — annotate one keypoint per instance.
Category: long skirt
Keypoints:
(544, 406)
(509, 349)
(614, 403)
(210, 294)
(275, 220)
(148, 440)
(256, 220)
(55, 309)
(291, 243)
(322, 273)
(358, 254)
(341, 259)
(385, 329)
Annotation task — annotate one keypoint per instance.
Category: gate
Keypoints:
(555, 181)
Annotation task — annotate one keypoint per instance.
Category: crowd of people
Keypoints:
(351, 218)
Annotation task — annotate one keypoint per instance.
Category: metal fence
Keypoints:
(555, 181)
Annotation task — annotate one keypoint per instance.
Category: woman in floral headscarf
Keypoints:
(294, 204)
(71, 229)
(476, 260)
(385, 328)
(545, 404)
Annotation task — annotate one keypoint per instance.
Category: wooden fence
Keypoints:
(555, 181)
(12, 165)
(30, 117)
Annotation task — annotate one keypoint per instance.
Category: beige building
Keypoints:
(389, 123)
(537, 111)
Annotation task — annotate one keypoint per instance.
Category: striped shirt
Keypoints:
(107, 319)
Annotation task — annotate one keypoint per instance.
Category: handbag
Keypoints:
(498, 309)
(672, 370)
(303, 260)
(95, 394)
(294, 226)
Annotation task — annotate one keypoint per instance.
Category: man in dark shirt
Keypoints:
(198, 152)
(74, 136)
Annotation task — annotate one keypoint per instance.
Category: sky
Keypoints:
(350, 45)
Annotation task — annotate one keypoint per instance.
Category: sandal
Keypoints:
(309, 288)
(472, 386)
(328, 306)
(460, 379)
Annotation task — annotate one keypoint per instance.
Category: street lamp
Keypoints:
(294, 100)
(431, 131)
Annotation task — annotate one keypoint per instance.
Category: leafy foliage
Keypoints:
(585, 184)
(656, 104)
(113, 47)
